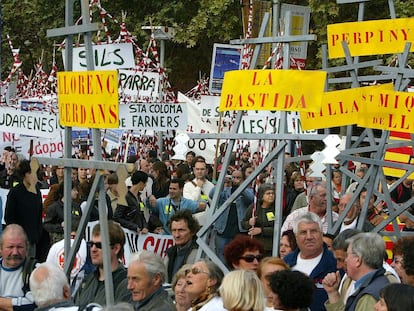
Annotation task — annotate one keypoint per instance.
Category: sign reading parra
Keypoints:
(371, 37)
(88, 99)
(288, 90)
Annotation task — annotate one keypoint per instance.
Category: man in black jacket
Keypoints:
(183, 227)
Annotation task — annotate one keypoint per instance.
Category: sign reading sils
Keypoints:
(288, 90)
(88, 99)
(371, 37)
(105, 56)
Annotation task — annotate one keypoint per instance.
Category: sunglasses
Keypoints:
(195, 271)
(251, 258)
(97, 244)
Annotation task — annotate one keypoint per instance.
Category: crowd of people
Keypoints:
(320, 265)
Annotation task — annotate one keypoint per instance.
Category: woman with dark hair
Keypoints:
(396, 297)
(54, 222)
(57, 175)
(291, 290)
(203, 282)
(243, 252)
(295, 187)
(287, 243)
(260, 220)
(161, 184)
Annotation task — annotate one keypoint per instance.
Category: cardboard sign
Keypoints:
(370, 37)
(33, 123)
(106, 57)
(288, 90)
(139, 84)
(388, 110)
(339, 108)
(153, 116)
(88, 99)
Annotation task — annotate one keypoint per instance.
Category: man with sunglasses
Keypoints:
(92, 289)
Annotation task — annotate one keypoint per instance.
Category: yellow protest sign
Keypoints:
(88, 99)
(288, 90)
(370, 37)
(339, 108)
(388, 110)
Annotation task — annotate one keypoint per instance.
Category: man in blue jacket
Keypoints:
(228, 224)
(312, 256)
(165, 207)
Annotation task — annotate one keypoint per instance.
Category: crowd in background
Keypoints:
(318, 267)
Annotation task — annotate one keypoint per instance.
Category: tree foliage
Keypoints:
(198, 24)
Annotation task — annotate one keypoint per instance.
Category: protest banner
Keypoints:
(153, 116)
(372, 37)
(286, 90)
(139, 84)
(340, 108)
(106, 57)
(88, 99)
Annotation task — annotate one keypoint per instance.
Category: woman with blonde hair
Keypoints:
(203, 281)
(181, 298)
(267, 266)
(239, 291)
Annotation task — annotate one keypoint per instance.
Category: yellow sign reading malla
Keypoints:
(288, 90)
(388, 110)
(339, 108)
(370, 37)
(88, 99)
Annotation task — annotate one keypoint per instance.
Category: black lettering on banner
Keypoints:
(132, 240)
(202, 144)
(191, 143)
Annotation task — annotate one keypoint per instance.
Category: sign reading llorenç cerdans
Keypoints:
(88, 99)
(371, 37)
(340, 108)
(288, 90)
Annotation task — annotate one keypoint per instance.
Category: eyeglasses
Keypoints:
(251, 258)
(195, 271)
(97, 244)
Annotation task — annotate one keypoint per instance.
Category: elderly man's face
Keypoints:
(140, 283)
(13, 250)
(310, 239)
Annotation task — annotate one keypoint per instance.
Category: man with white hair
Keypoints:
(317, 205)
(50, 288)
(364, 264)
(146, 274)
(312, 256)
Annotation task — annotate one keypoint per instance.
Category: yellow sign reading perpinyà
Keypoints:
(340, 108)
(389, 110)
(88, 99)
(288, 90)
(370, 37)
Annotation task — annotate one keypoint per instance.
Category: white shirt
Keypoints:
(56, 255)
(290, 219)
